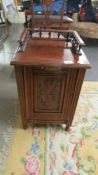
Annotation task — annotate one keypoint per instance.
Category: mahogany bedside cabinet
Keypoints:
(50, 67)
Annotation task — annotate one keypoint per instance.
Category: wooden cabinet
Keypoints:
(49, 79)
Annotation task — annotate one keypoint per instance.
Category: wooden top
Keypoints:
(49, 53)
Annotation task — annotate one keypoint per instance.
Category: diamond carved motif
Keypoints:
(48, 91)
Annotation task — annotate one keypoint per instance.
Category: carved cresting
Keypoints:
(48, 94)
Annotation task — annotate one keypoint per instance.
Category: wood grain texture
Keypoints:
(49, 53)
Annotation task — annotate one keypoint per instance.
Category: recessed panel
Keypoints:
(48, 93)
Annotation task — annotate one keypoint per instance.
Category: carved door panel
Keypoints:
(48, 96)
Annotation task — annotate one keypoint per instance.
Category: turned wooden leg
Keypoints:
(67, 125)
(24, 125)
(67, 128)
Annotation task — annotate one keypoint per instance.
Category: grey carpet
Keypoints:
(9, 106)
(91, 51)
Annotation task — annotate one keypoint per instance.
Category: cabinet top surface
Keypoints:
(49, 53)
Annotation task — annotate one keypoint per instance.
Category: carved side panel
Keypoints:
(48, 93)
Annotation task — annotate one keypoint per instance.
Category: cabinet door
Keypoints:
(48, 96)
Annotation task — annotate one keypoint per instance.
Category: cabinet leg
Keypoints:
(67, 128)
(67, 125)
(24, 126)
